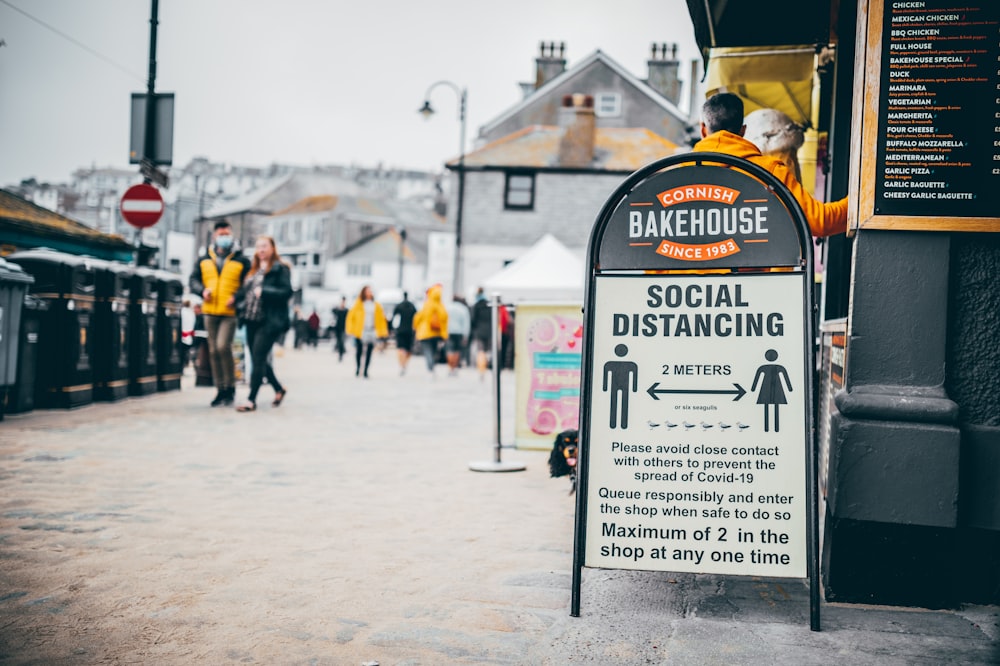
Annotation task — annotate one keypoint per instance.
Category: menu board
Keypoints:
(938, 150)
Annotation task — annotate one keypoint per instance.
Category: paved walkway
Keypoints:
(345, 527)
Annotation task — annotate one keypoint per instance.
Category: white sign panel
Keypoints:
(697, 447)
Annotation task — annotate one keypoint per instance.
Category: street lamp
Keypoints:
(426, 111)
(401, 230)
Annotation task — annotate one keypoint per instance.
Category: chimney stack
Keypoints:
(576, 116)
(663, 71)
(548, 65)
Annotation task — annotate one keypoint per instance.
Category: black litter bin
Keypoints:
(142, 332)
(64, 375)
(111, 317)
(22, 398)
(13, 286)
(169, 351)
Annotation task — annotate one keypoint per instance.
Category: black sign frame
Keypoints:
(673, 171)
(884, 168)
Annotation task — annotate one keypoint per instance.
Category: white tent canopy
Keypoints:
(548, 271)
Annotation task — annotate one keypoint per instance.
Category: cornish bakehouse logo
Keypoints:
(697, 222)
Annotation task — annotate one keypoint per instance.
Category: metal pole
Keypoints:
(457, 277)
(402, 244)
(494, 350)
(496, 465)
(458, 287)
(149, 140)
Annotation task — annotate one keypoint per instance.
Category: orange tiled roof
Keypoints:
(615, 149)
(315, 204)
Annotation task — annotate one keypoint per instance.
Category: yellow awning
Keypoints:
(772, 77)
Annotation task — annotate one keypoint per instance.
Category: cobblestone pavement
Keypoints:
(345, 527)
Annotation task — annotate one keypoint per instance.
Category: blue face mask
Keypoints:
(224, 242)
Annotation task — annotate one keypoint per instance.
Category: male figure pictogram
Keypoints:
(771, 391)
(623, 377)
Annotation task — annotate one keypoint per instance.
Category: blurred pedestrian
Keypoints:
(217, 277)
(430, 325)
(313, 323)
(187, 331)
(366, 323)
(402, 324)
(264, 310)
(300, 326)
(339, 324)
(459, 324)
(481, 331)
(506, 320)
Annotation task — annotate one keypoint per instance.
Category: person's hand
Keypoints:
(231, 302)
(257, 291)
(206, 294)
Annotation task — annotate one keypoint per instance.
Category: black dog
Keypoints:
(562, 460)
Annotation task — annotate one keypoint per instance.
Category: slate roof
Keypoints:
(577, 71)
(380, 210)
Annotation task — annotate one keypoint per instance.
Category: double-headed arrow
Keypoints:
(739, 392)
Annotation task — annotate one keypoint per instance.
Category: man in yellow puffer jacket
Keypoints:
(216, 277)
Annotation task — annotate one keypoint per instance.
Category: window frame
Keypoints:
(508, 176)
(616, 102)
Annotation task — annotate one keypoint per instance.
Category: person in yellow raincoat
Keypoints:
(430, 325)
(367, 324)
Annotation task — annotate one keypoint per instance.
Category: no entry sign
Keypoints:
(142, 205)
(696, 426)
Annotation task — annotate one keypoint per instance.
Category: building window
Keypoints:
(359, 270)
(608, 105)
(519, 191)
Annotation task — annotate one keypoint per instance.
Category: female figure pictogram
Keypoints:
(771, 391)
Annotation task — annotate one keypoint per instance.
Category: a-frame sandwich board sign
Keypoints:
(697, 425)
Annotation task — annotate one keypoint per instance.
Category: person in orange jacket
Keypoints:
(722, 131)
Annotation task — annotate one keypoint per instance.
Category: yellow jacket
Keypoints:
(355, 324)
(223, 284)
(431, 313)
(825, 219)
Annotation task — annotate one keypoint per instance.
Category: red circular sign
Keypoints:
(142, 205)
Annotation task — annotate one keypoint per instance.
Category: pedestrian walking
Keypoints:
(339, 324)
(299, 326)
(430, 326)
(187, 331)
(313, 323)
(217, 277)
(459, 325)
(366, 323)
(402, 324)
(481, 331)
(264, 311)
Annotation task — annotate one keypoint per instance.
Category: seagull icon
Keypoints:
(688, 425)
(669, 424)
(653, 424)
(742, 426)
(706, 426)
(724, 426)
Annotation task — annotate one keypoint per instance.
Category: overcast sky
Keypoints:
(291, 81)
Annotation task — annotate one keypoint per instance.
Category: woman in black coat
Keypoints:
(263, 307)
